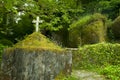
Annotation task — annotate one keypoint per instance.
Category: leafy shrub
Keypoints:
(96, 55)
(6, 42)
(88, 30)
(102, 57)
(111, 72)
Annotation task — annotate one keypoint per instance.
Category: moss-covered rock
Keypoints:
(88, 30)
(116, 28)
(37, 40)
(35, 58)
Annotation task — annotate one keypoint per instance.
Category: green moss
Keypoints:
(103, 58)
(11, 50)
(37, 40)
(82, 22)
(94, 33)
(88, 30)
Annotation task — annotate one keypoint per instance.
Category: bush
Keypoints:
(111, 72)
(102, 57)
(96, 55)
(88, 30)
(6, 42)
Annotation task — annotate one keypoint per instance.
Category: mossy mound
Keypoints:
(116, 28)
(37, 40)
(88, 30)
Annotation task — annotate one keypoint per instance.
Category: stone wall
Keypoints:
(20, 64)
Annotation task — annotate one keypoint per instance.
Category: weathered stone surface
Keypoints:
(21, 64)
(36, 58)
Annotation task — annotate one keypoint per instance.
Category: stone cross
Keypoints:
(37, 21)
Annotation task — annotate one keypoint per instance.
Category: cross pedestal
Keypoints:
(37, 21)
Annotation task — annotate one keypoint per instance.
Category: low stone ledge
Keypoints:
(20, 64)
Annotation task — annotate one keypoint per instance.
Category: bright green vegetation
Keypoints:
(103, 58)
(111, 72)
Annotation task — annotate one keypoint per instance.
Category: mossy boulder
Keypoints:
(88, 30)
(35, 58)
(116, 28)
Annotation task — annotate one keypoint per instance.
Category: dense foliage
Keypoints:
(104, 57)
(17, 15)
(111, 72)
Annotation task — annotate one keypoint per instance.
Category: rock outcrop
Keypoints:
(36, 58)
